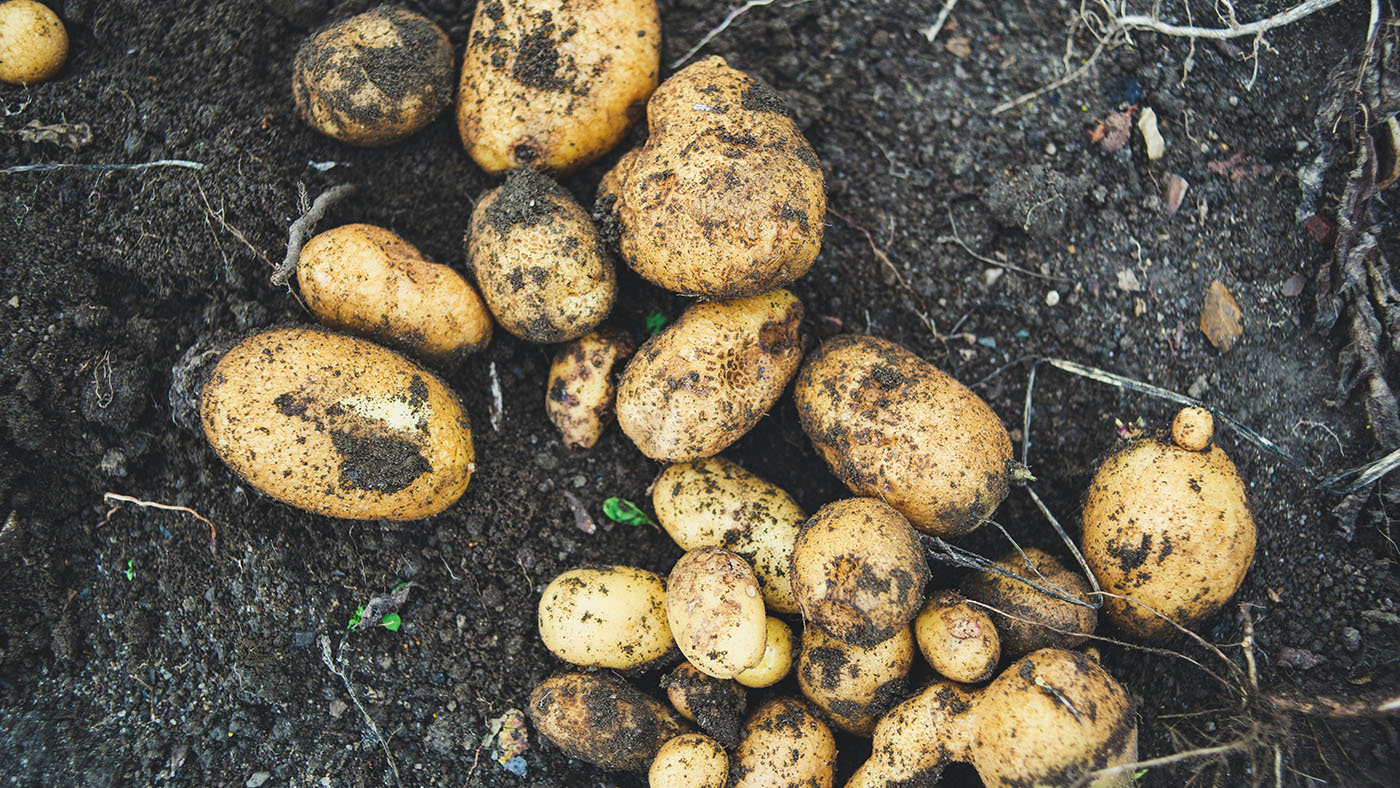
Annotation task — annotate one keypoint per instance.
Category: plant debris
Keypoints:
(382, 610)
(73, 136)
(1221, 318)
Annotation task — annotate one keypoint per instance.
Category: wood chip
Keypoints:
(1221, 318)
(1151, 137)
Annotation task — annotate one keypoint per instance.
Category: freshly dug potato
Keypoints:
(714, 502)
(538, 260)
(606, 617)
(716, 612)
(784, 745)
(601, 719)
(1029, 619)
(716, 705)
(854, 685)
(959, 640)
(33, 42)
(726, 199)
(581, 389)
(918, 738)
(709, 377)
(1193, 429)
(337, 426)
(1168, 526)
(551, 84)
(777, 657)
(374, 78)
(858, 571)
(690, 761)
(369, 281)
(894, 427)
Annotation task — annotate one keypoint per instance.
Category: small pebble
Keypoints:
(258, 779)
(1052, 298)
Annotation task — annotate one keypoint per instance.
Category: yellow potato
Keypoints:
(777, 657)
(369, 281)
(553, 85)
(715, 612)
(581, 388)
(894, 427)
(606, 617)
(854, 685)
(1028, 619)
(603, 720)
(915, 741)
(784, 745)
(33, 42)
(716, 705)
(690, 761)
(958, 639)
(698, 386)
(337, 426)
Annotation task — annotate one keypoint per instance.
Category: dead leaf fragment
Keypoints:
(1128, 281)
(1176, 191)
(960, 46)
(1221, 318)
(1292, 287)
(1297, 659)
(1116, 129)
(68, 135)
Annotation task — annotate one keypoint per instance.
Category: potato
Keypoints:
(337, 426)
(1168, 526)
(726, 199)
(33, 42)
(581, 390)
(369, 281)
(716, 705)
(858, 571)
(538, 260)
(1028, 619)
(698, 386)
(916, 740)
(606, 617)
(714, 502)
(854, 685)
(958, 639)
(777, 657)
(784, 745)
(553, 85)
(894, 427)
(601, 719)
(1193, 428)
(716, 612)
(374, 78)
(690, 761)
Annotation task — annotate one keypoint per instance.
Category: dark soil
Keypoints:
(133, 654)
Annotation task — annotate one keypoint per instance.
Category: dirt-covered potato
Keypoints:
(553, 84)
(337, 426)
(601, 719)
(538, 260)
(714, 502)
(854, 685)
(912, 744)
(894, 427)
(784, 745)
(716, 612)
(581, 392)
(606, 617)
(374, 78)
(777, 656)
(369, 281)
(692, 760)
(726, 199)
(1193, 429)
(858, 571)
(709, 377)
(958, 639)
(1028, 619)
(716, 705)
(1168, 526)
(33, 42)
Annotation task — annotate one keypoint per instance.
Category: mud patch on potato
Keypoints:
(379, 463)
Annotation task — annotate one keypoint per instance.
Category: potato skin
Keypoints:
(601, 719)
(581, 391)
(716, 502)
(337, 426)
(784, 745)
(369, 281)
(854, 685)
(538, 260)
(958, 639)
(726, 199)
(716, 705)
(1032, 617)
(716, 612)
(33, 42)
(606, 617)
(374, 78)
(918, 738)
(777, 657)
(893, 426)
(553, 85)
(707, 379)
(692, 760)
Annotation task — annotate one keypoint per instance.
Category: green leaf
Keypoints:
(391, 622)
(655, 321)
(621, 510)
(1137, 775)
(355, 619)
(130, 570)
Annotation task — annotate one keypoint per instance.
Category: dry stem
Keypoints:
(120, 499)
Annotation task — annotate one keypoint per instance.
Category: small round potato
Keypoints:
(374, 78)
(369, 281)
(33, 42)
(858, 571)
(716, 612)
(606, 617)
(777, 657)
(1193, 428)
(784, 745)
(918, 738)
(603, 720)
(894, 427)
(959, 640)
(698, 386)
(1026, 618)
(854, 685)
(714, 502)
(581, 389)
(553, 85)
(692, 760)
(337, 426)
(716, 705)
(538, 260)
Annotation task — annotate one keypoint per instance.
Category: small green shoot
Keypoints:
(1138, 775)
(621, 510)
(355, 619)
(655, 321)
(130, 570)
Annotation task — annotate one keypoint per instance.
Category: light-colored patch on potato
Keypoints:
(716, 612)
(784, 744)
(957, 638)
(854, 685)
(1026, 618)
(606, 617)
(582, 387)
(33, 42)
(601, 719)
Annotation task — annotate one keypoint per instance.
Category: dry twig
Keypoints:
(302, 228)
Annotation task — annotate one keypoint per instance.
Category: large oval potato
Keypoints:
(698, 386)
(726, 199)
(784, 745)
(601, 719)
(854, 685)
(606, 617)
(581, 391)
(894, 427)
(714, 502)
(1027, 618)
(337, 426)
(554, 84)
(716, 612)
